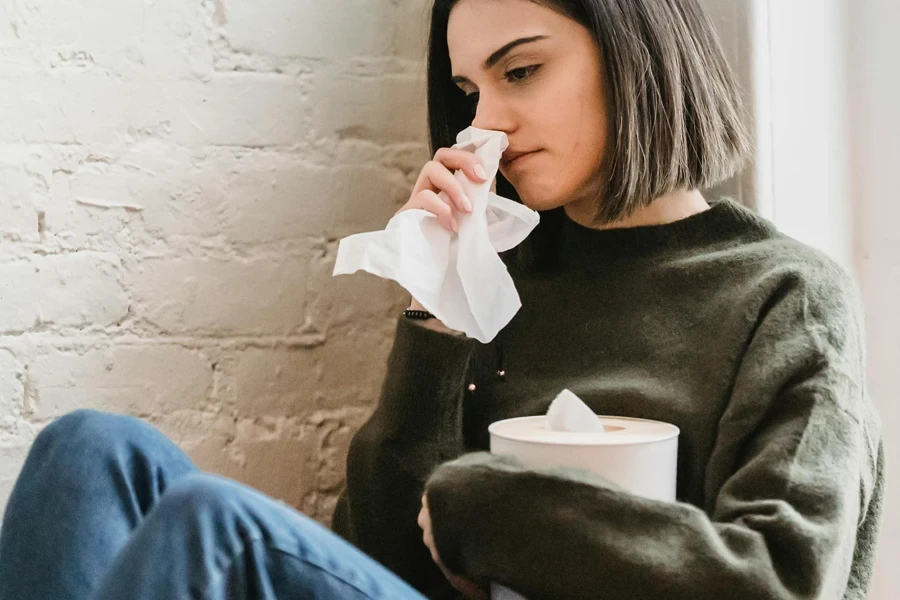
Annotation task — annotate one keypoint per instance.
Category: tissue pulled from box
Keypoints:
(568, 412)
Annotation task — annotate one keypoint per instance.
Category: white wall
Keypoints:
(173, 177)
(791, 62)
(809, 155)
(874, 86)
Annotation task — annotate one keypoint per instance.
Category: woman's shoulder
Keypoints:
(788, 287)
(759, 252)
(791, 261)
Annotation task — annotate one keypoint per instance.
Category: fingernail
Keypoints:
(479, 170)
(467, 203)
(455, 225)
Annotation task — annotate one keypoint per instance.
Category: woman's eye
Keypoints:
(513, 76)
(521, 74)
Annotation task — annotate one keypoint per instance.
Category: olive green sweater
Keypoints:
(747, 340)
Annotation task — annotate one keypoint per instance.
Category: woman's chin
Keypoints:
(536, 194)
(539, 202)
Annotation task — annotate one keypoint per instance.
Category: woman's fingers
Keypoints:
(436, 177)
(439, 192)
(454, 159)
(436, 205)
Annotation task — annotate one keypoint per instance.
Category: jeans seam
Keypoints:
(252, 540)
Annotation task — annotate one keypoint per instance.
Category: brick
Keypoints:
(277, 381)
(346, 370)
(335, 434)
(222, 297)
(334, 29)
(247, 196)
(203, 432)
(70, 290)
(385, 109)
(275, 456)
(346, 300)
(135, 379)
(239, 109)
(24, 191)
(354, 362)
(334, 430)
(151, 187)
(262, 201)
(12, 388)
(164, 35)
(288, 483)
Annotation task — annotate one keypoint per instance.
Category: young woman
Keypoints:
(639, 294)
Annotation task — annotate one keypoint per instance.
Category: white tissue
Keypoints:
(568, 412)
(457, 277)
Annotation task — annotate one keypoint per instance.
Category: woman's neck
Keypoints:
(665, 209)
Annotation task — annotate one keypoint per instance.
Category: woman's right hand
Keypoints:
(436, 177)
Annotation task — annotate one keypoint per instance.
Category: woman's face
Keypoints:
(546, 95)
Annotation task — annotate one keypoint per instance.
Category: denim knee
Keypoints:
(84, 428)
(88, 435)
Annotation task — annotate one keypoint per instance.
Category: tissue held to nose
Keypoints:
(455, 274)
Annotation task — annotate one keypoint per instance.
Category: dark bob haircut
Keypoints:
(676, 116)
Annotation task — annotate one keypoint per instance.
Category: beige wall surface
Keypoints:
(174, 177)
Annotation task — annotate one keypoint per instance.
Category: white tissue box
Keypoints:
(637, 454)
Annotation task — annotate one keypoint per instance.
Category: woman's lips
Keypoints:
(518, 159)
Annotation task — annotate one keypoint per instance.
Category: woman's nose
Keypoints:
(492, 114)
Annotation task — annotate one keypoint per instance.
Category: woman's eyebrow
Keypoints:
(494, 58)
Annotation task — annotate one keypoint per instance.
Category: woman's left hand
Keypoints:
(468, 587)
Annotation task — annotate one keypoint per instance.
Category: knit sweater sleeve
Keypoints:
(793, 486)
(416, 426)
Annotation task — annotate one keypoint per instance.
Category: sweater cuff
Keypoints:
(426, 378)
(473, 507)
(476, 504)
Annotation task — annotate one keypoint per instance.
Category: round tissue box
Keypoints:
(637, 454)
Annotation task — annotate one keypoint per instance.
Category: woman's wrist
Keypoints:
(432, 323)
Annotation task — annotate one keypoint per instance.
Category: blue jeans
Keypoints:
(107, 508)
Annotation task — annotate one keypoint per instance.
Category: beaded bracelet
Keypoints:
(411, 313)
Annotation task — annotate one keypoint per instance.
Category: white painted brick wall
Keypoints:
(174, 177)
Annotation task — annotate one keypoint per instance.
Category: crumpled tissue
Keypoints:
(457, 277)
